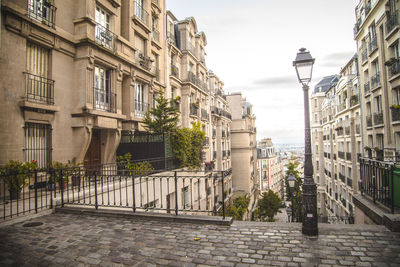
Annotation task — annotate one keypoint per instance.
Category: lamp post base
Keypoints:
(310, 217)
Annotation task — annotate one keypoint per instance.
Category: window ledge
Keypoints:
(38, 106)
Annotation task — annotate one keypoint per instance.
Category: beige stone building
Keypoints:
(244, 145)
(269, 168)
(75, 74)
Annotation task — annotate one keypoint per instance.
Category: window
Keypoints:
(42, 11)
(103, 100)
(38, 87)
(317, 165)
(140, 98)
(103, 34)
(396, 95)
(38, 143)
(379, 141)
(315, 117)
(378, 104)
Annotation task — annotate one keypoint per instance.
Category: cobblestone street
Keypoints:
(83, 240)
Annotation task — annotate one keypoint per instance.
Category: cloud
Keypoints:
(336, 60)
(281, 81)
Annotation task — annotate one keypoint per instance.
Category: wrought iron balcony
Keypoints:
(224, 153)
(378, 118)
(373, 44)
(367, 8)
(141, 108)
(193, 109)
(395, 114)
(369, 120)
(334, 156)
(155, 35)
(349, 182)
(175, 71)
(348, 156)
(104, 100)
(394, 67)
(142, 60)
(141, 14)
(392, 22)
(375, 81)
(226, 114)
(214, 154)
(366, 88)
(341, 154)
(354, 100)
(105, 37)
(343, 202)
(190, 47)
(42, 11)
(364, 54)
(39, 89)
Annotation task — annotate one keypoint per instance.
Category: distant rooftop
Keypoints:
(326, 83)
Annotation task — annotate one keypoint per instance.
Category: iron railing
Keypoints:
(42, 11)
(112, 185)
(341, 154)
(378, 118)
(105, 37)
(155, 35)
(392, 22)
(104, 100)
(214, 154)
(364, 54)
(39, 89)
(367, 8)
(394, 68)
(373, 44)
(366, 88)
(395, 114)
(375, 81)
(143, 60)
(349, 182)
(342, 177)
(141, 14)
(190, 47)
(377, 181)
(348, 156)
(141, 108)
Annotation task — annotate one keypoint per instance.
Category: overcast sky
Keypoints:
(252, 44)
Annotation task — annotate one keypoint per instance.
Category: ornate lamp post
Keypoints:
(304, 65)
(291, 181)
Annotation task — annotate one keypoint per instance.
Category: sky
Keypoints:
(251, 46)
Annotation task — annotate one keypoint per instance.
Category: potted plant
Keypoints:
(177, 99)
(394, 106)
(369, 151)
(338, 128)
(378, 153)
(209, 166)
(15, 173)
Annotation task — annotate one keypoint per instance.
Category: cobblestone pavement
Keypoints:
(83, 240)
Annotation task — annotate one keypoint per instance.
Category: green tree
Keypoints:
(268, 206)
(238, 207)
(296, 193)
(163, 118)
(188, 145)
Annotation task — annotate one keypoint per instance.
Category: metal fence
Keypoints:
(377, 181)
(139, 189)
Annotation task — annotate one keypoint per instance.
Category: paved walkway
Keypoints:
(82, 240)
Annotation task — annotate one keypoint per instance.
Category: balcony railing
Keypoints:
(226, 114)
(155, 35)
(214, 154)
(373, 44)
(349, 182)
(392, 22)
(105, 37)
(193, 109)
(142, 60)
(341, 154)
(190, 47)
(175, 71)
(224, 153)
(39, 89)
(141, 108)
(204, 114)
(329, 155)
(375, 81)
(367, 8)
(42, 11)
(348, 156)
(378, 118)
(104, 100)
(334, 156)
(394, 68)
(343, 202)
(395, 114)
(342, 177)
(366, 88)
(364, 54)
(369, 120)
(141, 14)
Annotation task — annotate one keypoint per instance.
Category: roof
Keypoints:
(326, 83)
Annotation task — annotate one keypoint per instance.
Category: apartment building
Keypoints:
(337, 117)
(377, 36)
(269, 168)
(243, 145)
(320, 139)
(76, 74)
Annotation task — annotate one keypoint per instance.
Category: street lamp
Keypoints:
(304, 65)
(291, 181)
